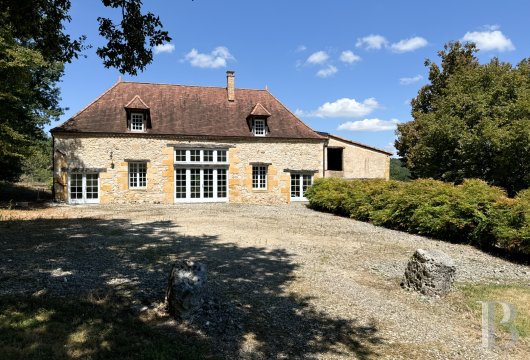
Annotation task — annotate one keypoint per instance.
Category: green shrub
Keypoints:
(512, 225)
(472, 212)
(328, 195)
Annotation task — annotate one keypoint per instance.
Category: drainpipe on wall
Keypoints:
(53, 168)
(324, 158)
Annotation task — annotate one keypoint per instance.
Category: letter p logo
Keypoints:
(488, 322)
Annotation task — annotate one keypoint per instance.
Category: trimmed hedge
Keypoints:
(474, 212)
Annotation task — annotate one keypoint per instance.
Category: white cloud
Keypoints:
(318, 57)
(491, 39)
(372, 125)
(327, 71)
(345, 108)
(301, 48)
(216, 59)
(349, 57)
(410, 80)
(407, 45)
(164, 48)
(391, 149)
(369, 42)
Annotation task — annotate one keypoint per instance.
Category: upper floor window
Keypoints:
(137, 122)
(259, 127)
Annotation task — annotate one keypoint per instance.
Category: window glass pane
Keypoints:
(137, 122)
(180, 155)
(259, 177)
(221, 183)
(259, 127)
(221, 155)
(263, 177)
(76, 186)
(207, 155)
(195, 155)
(133, 180)
(195, 183)
(92, 186)
(180, 183)
(307, 181)
(295, 185)
(208, 183)
(142, 174)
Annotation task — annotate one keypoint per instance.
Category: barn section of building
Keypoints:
(352, 160)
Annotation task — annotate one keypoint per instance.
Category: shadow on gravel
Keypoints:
(248, 312)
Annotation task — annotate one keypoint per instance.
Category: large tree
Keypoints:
(471, 121)
(33, 49)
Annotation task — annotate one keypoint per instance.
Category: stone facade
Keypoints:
(359, 162)
(109, 156)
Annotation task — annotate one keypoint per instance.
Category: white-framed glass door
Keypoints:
(201, 185)
(299, 185)
(83, 188)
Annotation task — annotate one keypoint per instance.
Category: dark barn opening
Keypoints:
(335, 159)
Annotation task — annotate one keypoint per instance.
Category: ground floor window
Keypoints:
(259, 177)
(137, 175)
(83, 188)
(196, 184)
(299, 185)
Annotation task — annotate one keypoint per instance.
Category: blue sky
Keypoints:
(345, 67)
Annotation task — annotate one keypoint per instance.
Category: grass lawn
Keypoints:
(96, 326)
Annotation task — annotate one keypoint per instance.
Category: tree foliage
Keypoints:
(471, 121)
(33, 49)
(398, 171)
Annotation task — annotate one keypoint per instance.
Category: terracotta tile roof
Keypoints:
(328, 135)
(187, 111)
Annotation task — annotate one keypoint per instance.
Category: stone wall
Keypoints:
(108, 154)
(359, 162)
(281, 156)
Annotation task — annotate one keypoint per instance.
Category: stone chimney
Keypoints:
(230, 85)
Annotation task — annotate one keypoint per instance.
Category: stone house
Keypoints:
(159, 143)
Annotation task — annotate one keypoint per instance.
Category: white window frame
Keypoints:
(136, 115)
(300, 196)
(201, 156)
(261, 177)
(216, 170)
(262, 128)
(137, 175)
(84, 199)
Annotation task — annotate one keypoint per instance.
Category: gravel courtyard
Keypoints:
(284, 281)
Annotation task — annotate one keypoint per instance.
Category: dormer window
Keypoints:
(138, 115)
(137, 122)
(257, 120)
(259, 127)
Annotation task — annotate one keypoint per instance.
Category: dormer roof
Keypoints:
(137, 103)
(259, 111)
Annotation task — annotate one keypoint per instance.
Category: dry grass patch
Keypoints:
(97, 326)
(469, 297)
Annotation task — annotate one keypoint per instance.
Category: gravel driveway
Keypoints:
(284, 281)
